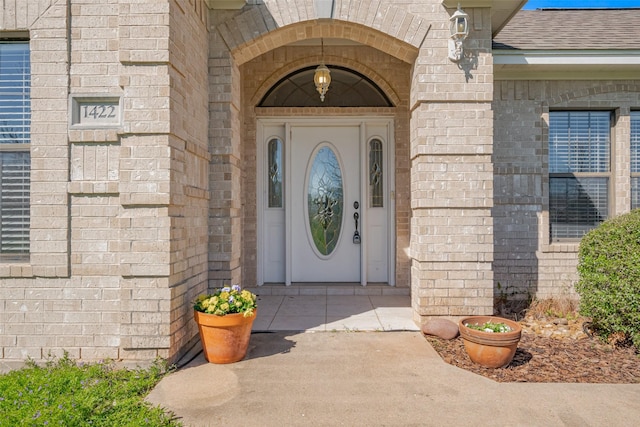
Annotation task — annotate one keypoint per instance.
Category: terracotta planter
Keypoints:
(224, 339)
(490, 349)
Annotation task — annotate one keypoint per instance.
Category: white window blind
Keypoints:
(579, 167)
(635, 159)
(579, 141)
(14, 202)
(15, 162)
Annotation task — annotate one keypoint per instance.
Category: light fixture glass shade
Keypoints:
(459, 24)
(458, 31)
(322, 80)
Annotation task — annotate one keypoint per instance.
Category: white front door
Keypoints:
(325, 196)
(312, 177)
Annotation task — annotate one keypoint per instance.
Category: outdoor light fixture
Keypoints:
(322, 76)
(458, 31)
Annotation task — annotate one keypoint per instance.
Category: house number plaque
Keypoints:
(97, 112)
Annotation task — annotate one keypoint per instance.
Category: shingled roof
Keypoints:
(575, 29)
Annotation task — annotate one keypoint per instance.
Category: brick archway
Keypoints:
(588, 92)
(385, 27)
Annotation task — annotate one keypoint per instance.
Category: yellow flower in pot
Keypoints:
(224, 320)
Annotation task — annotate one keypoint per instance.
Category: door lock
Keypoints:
(356, 216)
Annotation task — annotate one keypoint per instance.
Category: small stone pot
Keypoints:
(490, 349)
(225, 339)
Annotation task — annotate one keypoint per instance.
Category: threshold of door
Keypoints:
(329, 289)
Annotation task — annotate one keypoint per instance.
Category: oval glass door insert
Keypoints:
(325, 200)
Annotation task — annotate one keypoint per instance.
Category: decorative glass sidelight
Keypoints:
(275, 173)
(325, 200)
(375, 174)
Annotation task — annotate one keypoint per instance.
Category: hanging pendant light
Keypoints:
(322, 76)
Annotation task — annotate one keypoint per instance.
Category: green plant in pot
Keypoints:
(224, 319)
(490, 341)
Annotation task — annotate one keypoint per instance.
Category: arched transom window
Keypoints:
(348, 89)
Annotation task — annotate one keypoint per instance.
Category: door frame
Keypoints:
(261, 166)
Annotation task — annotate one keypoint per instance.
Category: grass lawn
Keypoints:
(66, 393)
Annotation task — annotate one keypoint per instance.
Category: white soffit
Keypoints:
(566, 64)
(555, 57)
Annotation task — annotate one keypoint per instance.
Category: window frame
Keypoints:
(634, 118)
(21, 147)
(608, 175)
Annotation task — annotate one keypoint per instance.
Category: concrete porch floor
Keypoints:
(333, 307)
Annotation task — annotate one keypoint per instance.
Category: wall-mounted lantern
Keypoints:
(458, 31)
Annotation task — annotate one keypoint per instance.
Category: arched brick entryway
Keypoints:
(448, 273)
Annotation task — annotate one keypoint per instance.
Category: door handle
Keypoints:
(356, 216)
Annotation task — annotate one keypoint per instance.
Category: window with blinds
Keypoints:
(15, 159)
(635, 159)
(579, 171)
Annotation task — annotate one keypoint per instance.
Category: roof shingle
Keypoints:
(571, 29)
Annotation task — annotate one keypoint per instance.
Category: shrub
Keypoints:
(609, 277)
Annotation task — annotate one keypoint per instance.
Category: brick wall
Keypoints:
(131, 221)
(119, 211)
(525, 260)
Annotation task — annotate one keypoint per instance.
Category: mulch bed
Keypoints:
(550, 360)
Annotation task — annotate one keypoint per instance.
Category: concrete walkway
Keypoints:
(374, 379)
(333, 308)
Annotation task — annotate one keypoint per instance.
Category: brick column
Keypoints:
(452, 174)
(225, 209)
(622, 160)
(145, 179)
(163, 185)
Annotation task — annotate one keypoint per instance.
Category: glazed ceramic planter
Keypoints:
(225, 339)
(490, 349)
